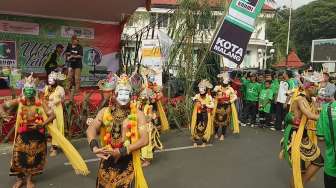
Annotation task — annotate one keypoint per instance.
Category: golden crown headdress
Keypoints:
(114, 82)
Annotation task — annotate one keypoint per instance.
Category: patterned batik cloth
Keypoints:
(29, 153)
(115, 174)
(201, 126)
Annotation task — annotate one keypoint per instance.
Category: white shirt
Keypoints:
(283, 88)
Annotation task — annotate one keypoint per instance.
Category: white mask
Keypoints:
(202, 90)
(123, 97)
(151, 78)
(51, 81)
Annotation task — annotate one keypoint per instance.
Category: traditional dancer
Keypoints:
(150, 104)
(30, 142)
(54, 96)
(201, 121)
(153, 95)
(299, 146)
(123, 129)
(225, 108)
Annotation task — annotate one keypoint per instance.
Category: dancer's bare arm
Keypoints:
(94, 126)
(50, 114)
(305, 109)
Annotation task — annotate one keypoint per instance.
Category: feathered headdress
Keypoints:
(314, 77)
(57, 76)
(205, 83)
(146, 71)
(30, 82)
(114, 82)
(225, 77)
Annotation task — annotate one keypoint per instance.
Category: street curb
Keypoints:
(7, 148)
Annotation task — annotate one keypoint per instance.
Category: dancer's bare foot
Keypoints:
(19, 183)
(53, 152)
(221, 138)
(145, 163)
(195, 145)
(203, 145)
(216, 136)
(30, 183)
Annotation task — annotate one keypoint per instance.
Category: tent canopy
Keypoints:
(105, 11)
(293, 61)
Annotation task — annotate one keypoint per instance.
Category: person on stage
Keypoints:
(299, 144)
(202, 121)
(74, 56)
(123, 132)
(54, 61)
(225, 108)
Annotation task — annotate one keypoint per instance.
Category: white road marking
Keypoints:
(159, 151)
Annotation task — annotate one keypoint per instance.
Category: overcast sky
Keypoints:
(296, 3)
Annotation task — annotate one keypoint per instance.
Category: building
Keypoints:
(158, 19)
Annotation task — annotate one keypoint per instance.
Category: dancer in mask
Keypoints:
(123, 132)
(30, 142)
(54, 96)
(150, 104)
(225, 109)
(201, 121)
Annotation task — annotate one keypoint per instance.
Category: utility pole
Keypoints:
(289, 29)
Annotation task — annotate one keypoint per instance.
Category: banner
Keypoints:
(234, 33)
(151, 57)
(7, 54)
(231, 42)
(244, 13)
(101, 46)
(165, 43)
(80, 32)
(19, 27)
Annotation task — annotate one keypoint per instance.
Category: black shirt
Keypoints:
(77, 50)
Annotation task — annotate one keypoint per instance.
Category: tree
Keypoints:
(277, 30)
(190, 28)
(317, 20)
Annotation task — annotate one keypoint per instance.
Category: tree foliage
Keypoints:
(315, 20)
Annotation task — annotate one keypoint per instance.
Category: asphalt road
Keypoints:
(247, 161)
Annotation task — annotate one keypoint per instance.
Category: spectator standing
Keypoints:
(281, 105)
(292, 85)
(54, 60)
(327, 90)
(245, 79)
(252, 95)
(265, 101)
(326, 128)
